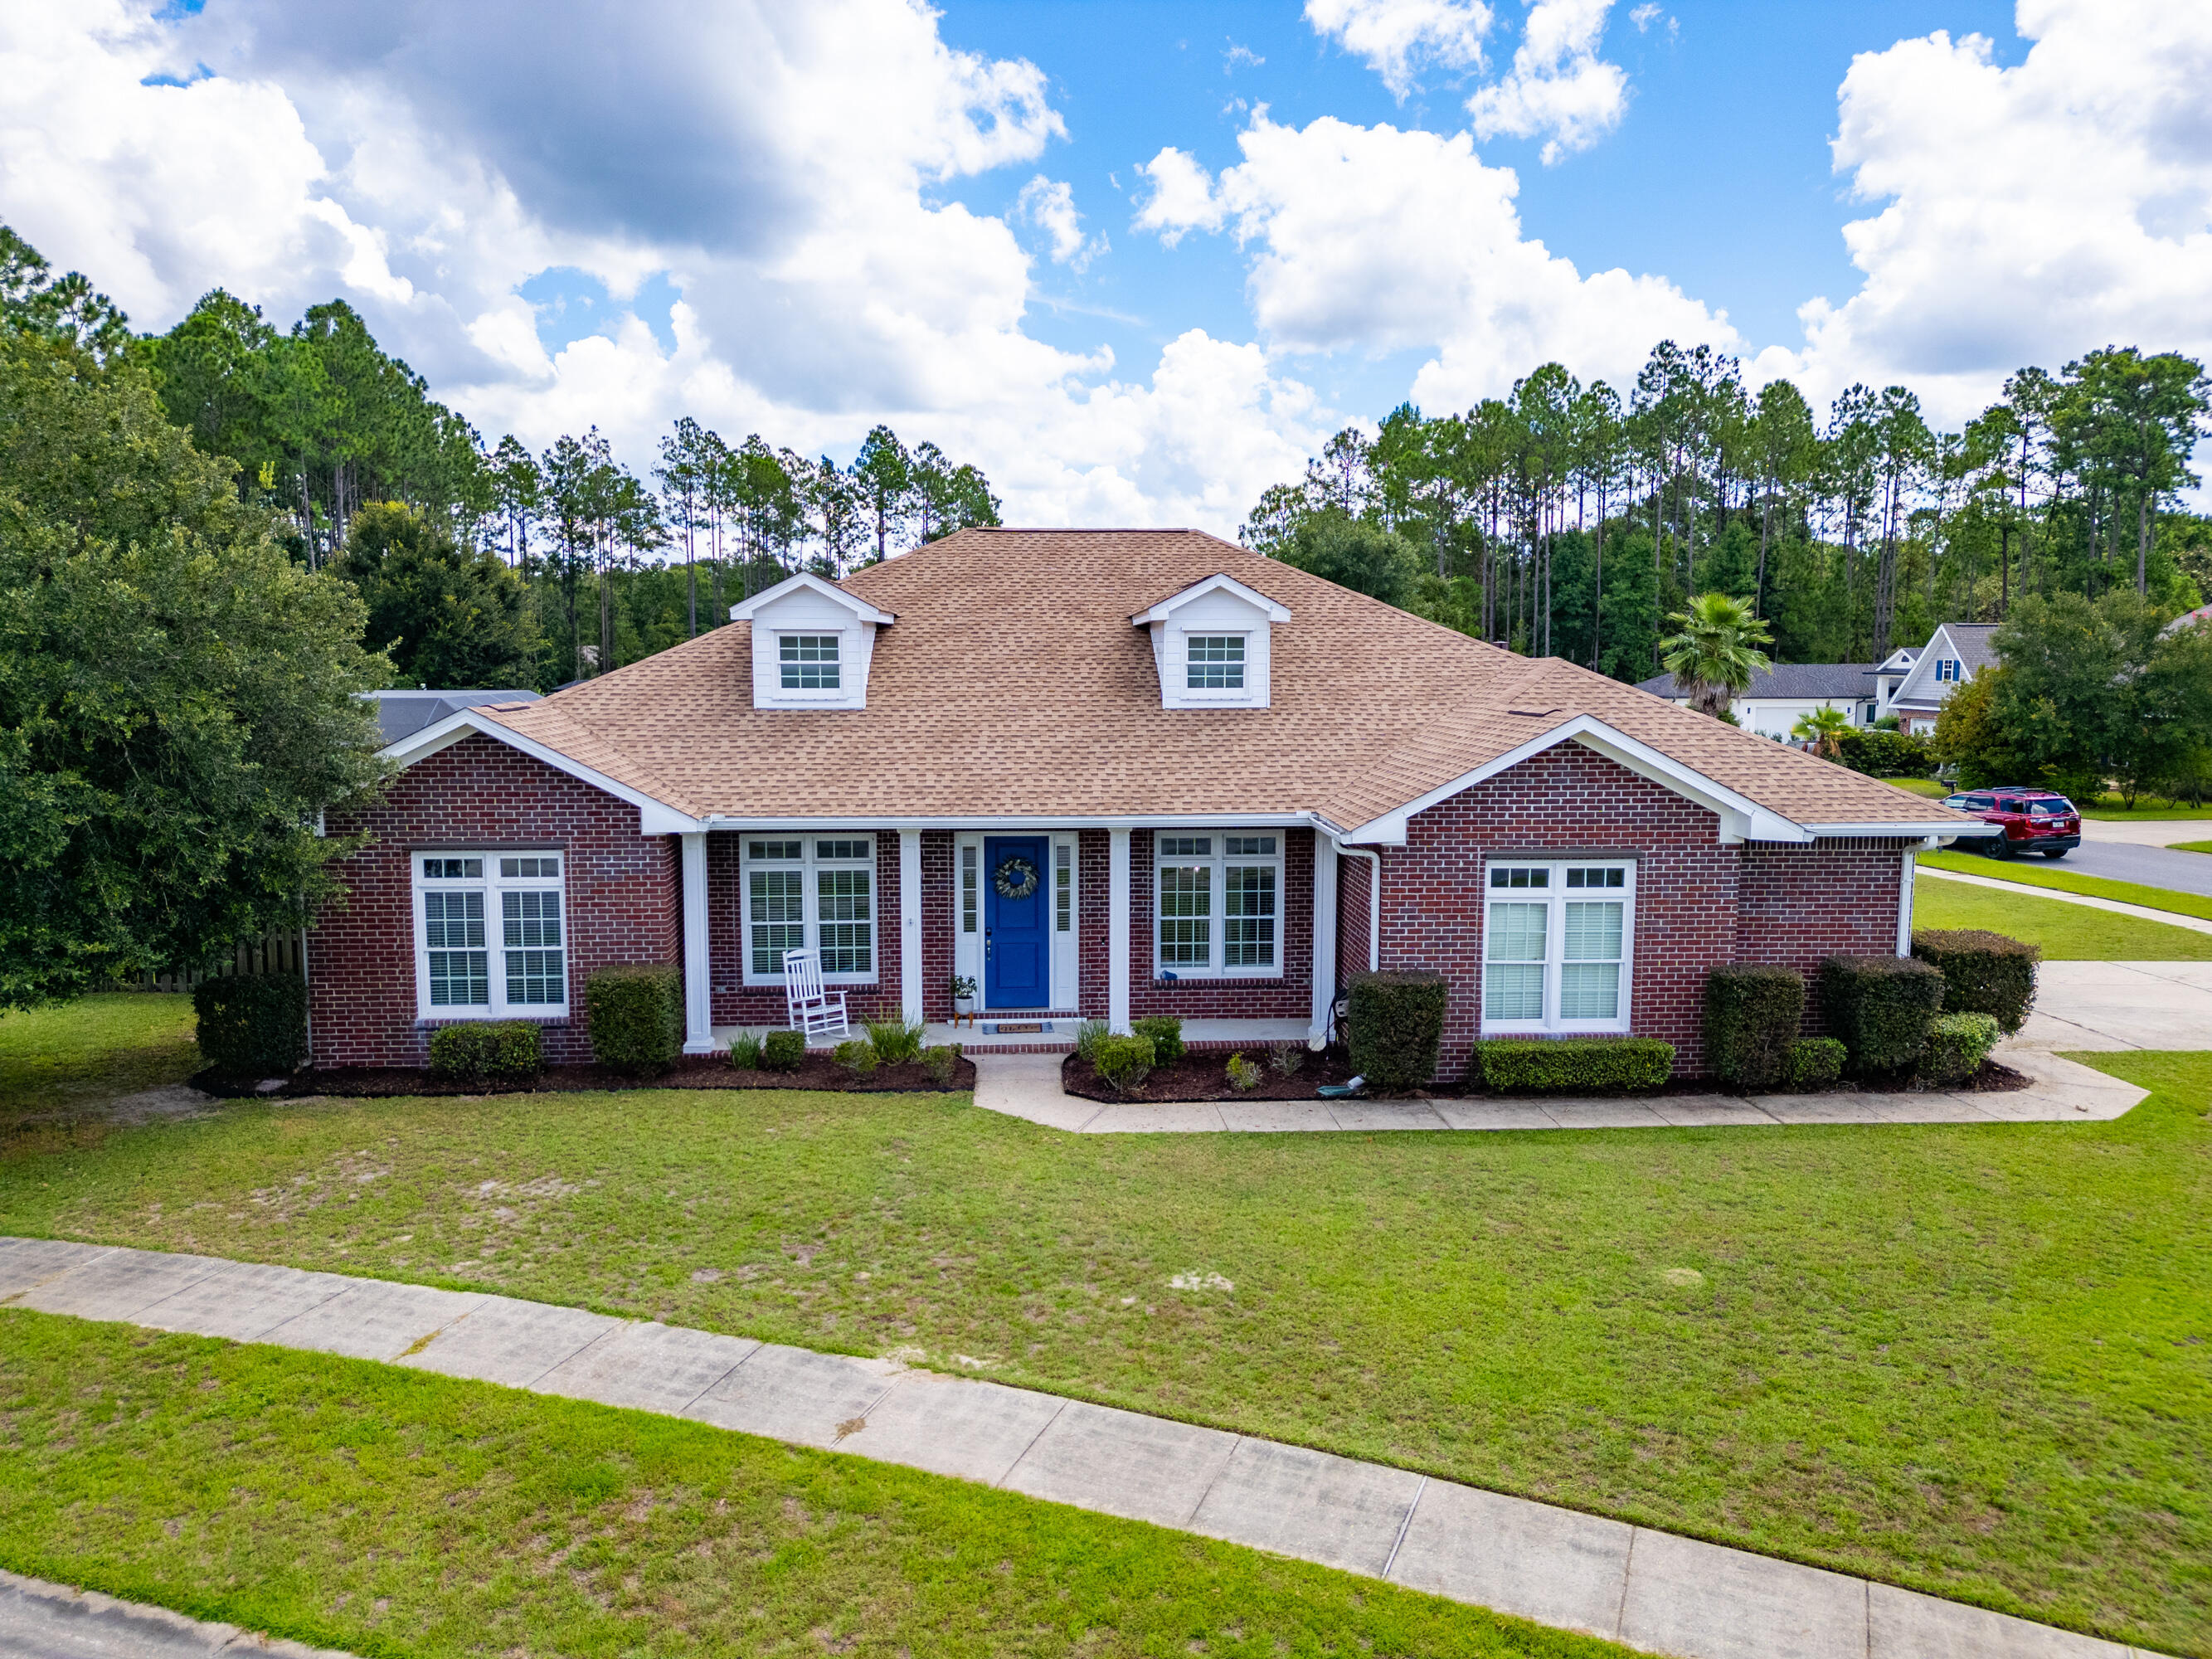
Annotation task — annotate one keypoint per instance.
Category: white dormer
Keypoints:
(1213, 645)
(811, 645)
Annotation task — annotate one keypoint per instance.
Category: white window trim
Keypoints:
(491, 884)
(1217, 860)
(808, 863)
(1557, 894)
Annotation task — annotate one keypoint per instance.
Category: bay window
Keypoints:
(810, 892)
(1558, 942)
(490, 940)
(1217, 900)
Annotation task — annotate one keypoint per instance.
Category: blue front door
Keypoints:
(1016, 950)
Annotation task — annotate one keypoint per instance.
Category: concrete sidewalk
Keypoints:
(2062, 1091)
(2115, 1006)
(1650, 1589)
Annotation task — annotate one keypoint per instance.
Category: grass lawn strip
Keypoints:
(2067, 932)
(93, 1049)
(347, 1505)
(2073, 881)
(1971, 1360)
(2192, 846)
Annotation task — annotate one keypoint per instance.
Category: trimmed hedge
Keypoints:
(1752, 1016)
(1887, 754)
(487, 1051)
(1880, 1006)
(1984, 973)
(1394, 1029)
(1815, 1062)
(1554, 1065)
(252, 1024)
(1166, 1033)
(783, 1051)
(637, 1017)
(1957, 1046)
(1124, 1061)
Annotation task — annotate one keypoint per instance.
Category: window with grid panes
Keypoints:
(809, 892)
(491, 933)
(1215, 662)
(1555, 945)
(808, 661)
(1216, 901)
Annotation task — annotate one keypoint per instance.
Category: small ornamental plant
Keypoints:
(942, 1062)
(1124, 1061)
(1286, 1057)
(783, 1051)
(857, 1056)
(1243, 1074)
(746, 1052)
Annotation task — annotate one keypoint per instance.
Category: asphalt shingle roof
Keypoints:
(1795, 681)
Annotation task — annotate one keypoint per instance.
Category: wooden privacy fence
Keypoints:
(277, 952)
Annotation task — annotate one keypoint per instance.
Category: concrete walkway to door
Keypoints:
(1653, 1590)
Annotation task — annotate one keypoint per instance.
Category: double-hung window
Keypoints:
(1558, 942)
(1218, 900)
(808, 661)
(490, 938)
(1215, 662)
(810, 892)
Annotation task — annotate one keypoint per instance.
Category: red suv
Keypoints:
(2034, 821)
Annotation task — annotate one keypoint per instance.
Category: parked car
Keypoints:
(2034, 821)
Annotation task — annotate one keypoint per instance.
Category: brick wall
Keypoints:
(1288, 996)
(1094, 877)
(1354, 877)
(623, 901)
(737, 1003)
(1796, 904)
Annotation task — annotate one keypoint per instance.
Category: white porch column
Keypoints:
(1117, 930)
(910, 925)
(698, 987)
(1912, 862)
(1324, 934)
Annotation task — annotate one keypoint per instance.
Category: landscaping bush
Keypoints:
(1880, 1008)
(1542, 1065)
(1887, 754)
(1166, 1033)
(1124, 1061)
(1751, 1017)
(1957, 1046)
(1286, 1057)
(894, 1041)
(783, 1051)
(1984, 973)
(856, 1054)
(1815, 1062)
(252, 1024)
(1394, 1027)
(1089, 1035)
(635, 1014)
(1243, 1074)
(746, 1052)
(487, 1051)
(942, 1062)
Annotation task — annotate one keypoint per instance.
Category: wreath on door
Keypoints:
(1015, 877)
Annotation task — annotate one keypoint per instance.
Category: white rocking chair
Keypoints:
(810, 1008)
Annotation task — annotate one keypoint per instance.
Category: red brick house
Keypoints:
(1104, 774)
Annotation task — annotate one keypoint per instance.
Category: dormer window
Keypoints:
(812, 642)
(809, 661)
(1212, 644)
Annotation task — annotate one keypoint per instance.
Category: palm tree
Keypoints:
(1825, 726)
(1716, 652)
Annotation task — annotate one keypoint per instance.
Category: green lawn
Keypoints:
(1973, 1359)
(384, 1511)
(2192, 846)
(1926, 786)
(2041, 874)
(93, 1049)
(2143, 811)
(2067, 932)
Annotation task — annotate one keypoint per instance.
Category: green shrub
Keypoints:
(783, 1051)
(252, 1024)
(1166, 1033)
(487, 1051)
(1815, 1062)
(1571, 1065)
(1287, 1057)
(1957, 1046)
(1887, 754)
(1880, 1008)
(635, 1014)
(1984, 973)
(1124, 1061)
(856, 1054)
(1243, 1074)
(1089, 1035)
(1394, 1029)
(894, 1041)
(942, 1061)
(1751, 1015)
(745, 1052)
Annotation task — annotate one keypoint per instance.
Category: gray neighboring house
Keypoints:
(1779, 696)
(402, 714)
(1954, 654)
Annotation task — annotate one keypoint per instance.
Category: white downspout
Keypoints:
(1374, 902)
(1904, 896)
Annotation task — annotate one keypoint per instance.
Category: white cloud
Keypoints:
(1240, 56)
(1398, 38)
(1182, 198)
(2032, 212)
(1050, 204)
(1374, 239)
(1559, 84)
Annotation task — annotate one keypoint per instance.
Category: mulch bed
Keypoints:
(816, 1071)
(1205, 1076)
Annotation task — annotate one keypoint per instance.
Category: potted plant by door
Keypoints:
(963, 998)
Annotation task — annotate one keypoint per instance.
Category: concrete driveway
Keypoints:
(2147, 832)
(2110, 1005)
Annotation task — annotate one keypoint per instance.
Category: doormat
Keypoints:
(1004, 1029)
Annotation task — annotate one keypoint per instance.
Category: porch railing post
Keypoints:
(1117, 930)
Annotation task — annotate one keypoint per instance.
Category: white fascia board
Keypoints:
(654, 817)
(859, 607)
(1927, 828)
(1022, 820)
(1741, 818)
(1217, 584)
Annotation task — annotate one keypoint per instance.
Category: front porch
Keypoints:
(1054, 1034)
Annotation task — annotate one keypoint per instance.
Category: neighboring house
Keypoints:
(402, 714)
(2196, 618)
(1106, 774)
(1956, 652)
(1888, 675)
(1779, 697)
